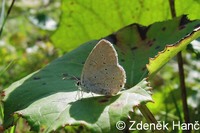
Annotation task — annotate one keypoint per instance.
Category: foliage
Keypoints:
(25, 47)
(50, 91)
(92, 20)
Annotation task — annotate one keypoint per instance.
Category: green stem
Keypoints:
(149, 116)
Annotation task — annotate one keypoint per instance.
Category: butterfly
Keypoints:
(102, 73)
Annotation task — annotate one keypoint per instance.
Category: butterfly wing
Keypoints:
(102, 73)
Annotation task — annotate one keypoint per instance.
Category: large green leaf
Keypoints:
(84, 20)
(90, 19)
(192, 9)
(46, 98)
(139, 43)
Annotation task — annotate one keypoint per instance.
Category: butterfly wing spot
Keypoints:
(108, 84)
(101, 72)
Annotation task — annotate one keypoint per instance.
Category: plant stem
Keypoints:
(181, 74)
(183, 89)
(149, 116)
(8, 12)
(172, 8)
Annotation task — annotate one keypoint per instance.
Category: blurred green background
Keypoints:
(26, 46)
